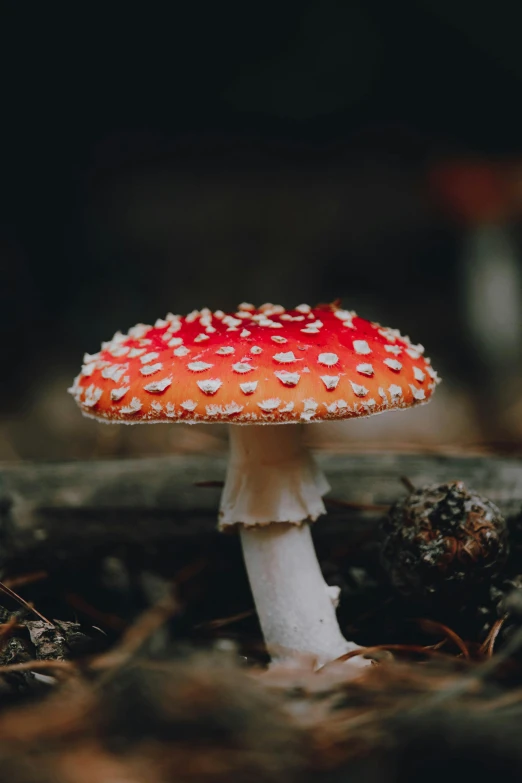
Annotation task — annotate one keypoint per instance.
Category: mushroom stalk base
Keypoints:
(273, 488)
(295, 611)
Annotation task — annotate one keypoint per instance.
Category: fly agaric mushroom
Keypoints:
(265, 366)
(483, 198)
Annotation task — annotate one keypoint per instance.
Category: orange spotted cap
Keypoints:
(255, 366)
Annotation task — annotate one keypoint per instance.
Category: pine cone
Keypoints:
(442, 539)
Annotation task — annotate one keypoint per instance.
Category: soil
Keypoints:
(146, 664)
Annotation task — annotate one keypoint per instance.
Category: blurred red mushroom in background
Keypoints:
(477, 192)
(484, 198)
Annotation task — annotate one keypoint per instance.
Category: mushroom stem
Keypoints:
(295, 611)
(272, 487)
(271, 478)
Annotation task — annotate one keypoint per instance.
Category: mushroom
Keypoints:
(482, 198)
(268, 367)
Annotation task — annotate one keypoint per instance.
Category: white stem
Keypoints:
(270, 477)
(292, 601)
(273, 486)
(492, 284)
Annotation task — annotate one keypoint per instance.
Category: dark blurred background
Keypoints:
(163, 158)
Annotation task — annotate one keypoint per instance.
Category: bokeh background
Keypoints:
(201, 154)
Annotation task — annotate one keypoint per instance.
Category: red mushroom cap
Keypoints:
(475, 192)
(254, 366)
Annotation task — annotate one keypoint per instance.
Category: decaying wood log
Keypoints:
(66, 508)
